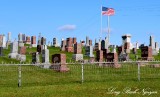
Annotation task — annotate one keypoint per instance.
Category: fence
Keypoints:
(13, 75)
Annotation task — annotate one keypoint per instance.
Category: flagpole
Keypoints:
(101, 24)
(108, 31)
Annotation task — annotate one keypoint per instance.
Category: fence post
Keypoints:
(19, 75)
(82, 72)
(139, 72)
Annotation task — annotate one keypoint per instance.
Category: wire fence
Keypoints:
(25, 75)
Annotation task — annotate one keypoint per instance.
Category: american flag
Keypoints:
(108, 11)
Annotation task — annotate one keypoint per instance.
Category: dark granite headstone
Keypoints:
(99, 56)
(102, 44)
(105, 51)
(34, 58)
(146, 53)
(78, 48)
(59, 62)
(1, 51)
(39, 48)
(43, 41)
(74, 40)
(113, 58)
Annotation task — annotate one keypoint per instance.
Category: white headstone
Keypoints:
(99, 44)
(137, 46)
(114, 49)
(20, 37)
(157, 47)
(89, 51)
(4, 42)
(45, 56)
(9, 37)
(152, 43)
(43, 47)
(87, 41)
(14, 50)
(55, 42)
(14, 47)
(106, 43)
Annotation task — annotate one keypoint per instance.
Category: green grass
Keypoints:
(38, 82)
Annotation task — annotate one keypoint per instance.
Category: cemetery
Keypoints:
(68, 64)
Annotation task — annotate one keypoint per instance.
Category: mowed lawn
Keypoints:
(98, 82)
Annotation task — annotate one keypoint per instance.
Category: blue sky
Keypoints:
(81, 18)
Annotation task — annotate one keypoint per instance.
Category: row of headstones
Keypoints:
(17, 54)
(68, 44)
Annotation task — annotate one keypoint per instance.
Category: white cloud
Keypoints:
(67, 28)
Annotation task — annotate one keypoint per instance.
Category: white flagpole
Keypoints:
(101, 24)
(108, 31)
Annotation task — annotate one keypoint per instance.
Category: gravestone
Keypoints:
(74, 40)
(1, 40)
(59, 63)
(152, 43)
(9, 38)
(89, 51)
(90, 42)
(99, 57)
(77, 56)
(43, 47)
(83, 43)
(20, 57)
(134, 50)
(120, 49)
(126, 39)
(87, 41)
(99, 43)
(105, 51)
(35, 58)
(146, 53)
(127, 51)
(23, 38)
(102, 44)
(77, 48)
(1, 51)
(127, 46)
(97, 46)
(45, 56)
(43, 41)
(123, 56)
(113, 58)
(22, 50)
(63, 44)
(55, 42)
(114, 49)
(33, 41)
(39, 49)
(137, 45)
(28, 40)
(4, 42)
(14, 50)
(69, 45)
(156, 47)
(20, 41)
